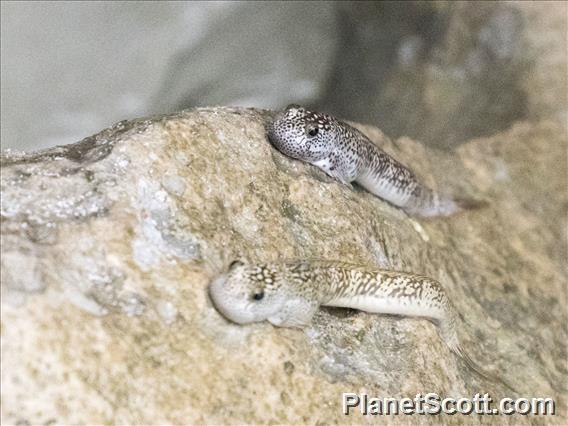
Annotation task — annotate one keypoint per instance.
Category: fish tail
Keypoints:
(428, 203)
(477, 369)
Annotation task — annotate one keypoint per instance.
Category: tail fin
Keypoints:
(480, 371)
(471, 204)
(447, 330)
(428, 204)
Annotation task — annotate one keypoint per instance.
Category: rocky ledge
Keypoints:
(108, 246)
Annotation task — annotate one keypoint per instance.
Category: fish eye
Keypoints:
(312, 131)
(235, 263)
(258, 296)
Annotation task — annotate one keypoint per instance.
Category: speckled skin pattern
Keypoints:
(288, 294)
(346, 154)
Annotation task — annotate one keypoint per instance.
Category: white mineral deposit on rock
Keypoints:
(167, 311)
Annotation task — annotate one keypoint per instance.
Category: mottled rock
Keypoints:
(108, 246)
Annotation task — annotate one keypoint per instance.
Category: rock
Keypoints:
(446, 72)
(108, 246)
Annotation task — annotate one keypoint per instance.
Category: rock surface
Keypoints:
(108, 246)
(446, 72)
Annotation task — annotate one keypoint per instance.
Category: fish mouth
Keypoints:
(226, 305)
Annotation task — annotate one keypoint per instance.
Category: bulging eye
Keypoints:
(258, 296)
(235, 263)
(312, 130)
